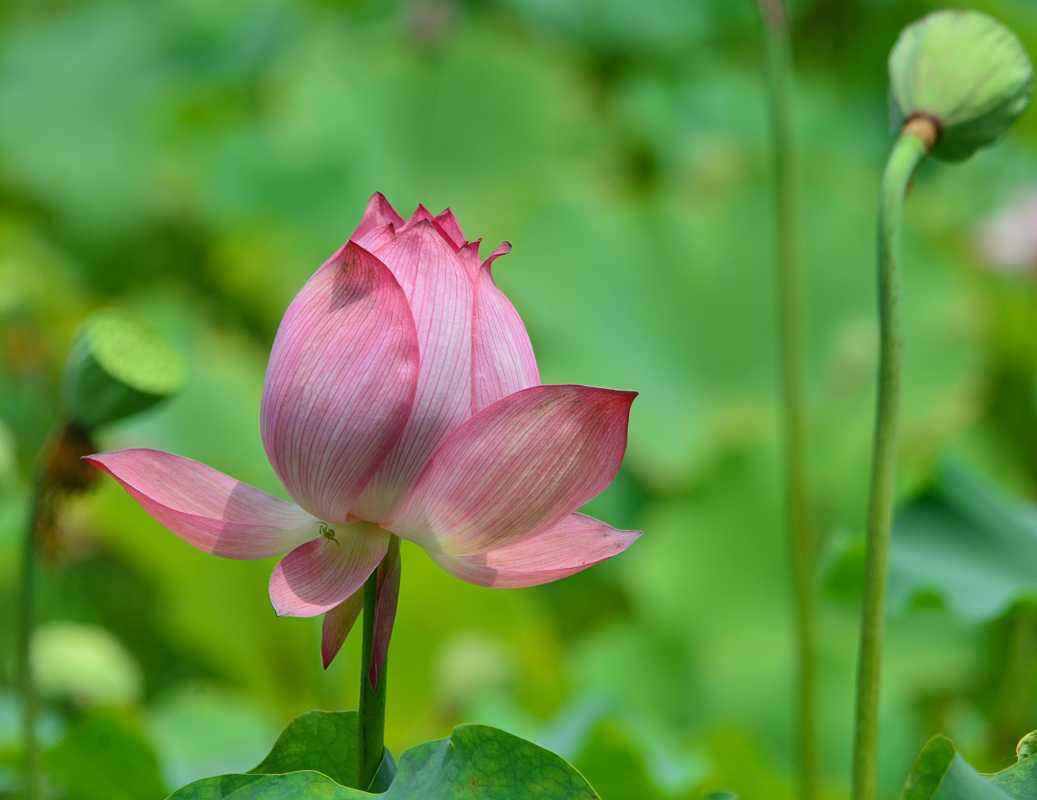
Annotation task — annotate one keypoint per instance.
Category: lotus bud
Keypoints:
(965, 73)
(115, 369)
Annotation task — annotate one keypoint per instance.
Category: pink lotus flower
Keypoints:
(402, 397)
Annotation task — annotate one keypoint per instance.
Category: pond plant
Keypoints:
(958, 80)
(403, 401)
(791, 309)
(115, 369)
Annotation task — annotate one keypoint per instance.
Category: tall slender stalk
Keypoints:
(790, 337)
(910, 148)
(379, 608)
(26, 625)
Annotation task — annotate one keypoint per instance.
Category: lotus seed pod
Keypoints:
(115, 369)
(966, 72)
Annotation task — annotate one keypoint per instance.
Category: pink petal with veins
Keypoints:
(421, 216)
(378, 214)
(568, 547)
(451, 227)
(516, 468)
(319, 575)
(469, 257)
(340, 382)
(376, 237)
(502, 355)
(440, 296)
(206, 508)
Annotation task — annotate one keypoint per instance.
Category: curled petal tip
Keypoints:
(604, 396)
(502, 250)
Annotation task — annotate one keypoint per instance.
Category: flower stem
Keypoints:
(790, 337)
(373, 676)
(909, 150)
(26, 625)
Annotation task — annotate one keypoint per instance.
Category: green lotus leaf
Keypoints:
(965, 542)
(319, 745)
(940, 773)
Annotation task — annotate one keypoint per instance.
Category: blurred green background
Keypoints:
(193, 161)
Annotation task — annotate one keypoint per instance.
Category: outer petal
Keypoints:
(502, 355)
(317, 576)
(516, 468)
(206, 508)
(337, 624)
(340, 382)
(568, 547)
(377, 237)
(379, 213)
(440, 296)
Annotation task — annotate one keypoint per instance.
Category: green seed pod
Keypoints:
(966, 72)
(115, 369)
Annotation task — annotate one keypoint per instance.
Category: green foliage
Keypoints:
(116, 369)
(324, 741)
(968, 544)
(192, 162)
(105, 757)
(940, 773)
(84, 664)
(315, 757)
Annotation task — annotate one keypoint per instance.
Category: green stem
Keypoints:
(26, 625)
(908, 152)
(372, 696)
(791, 343)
